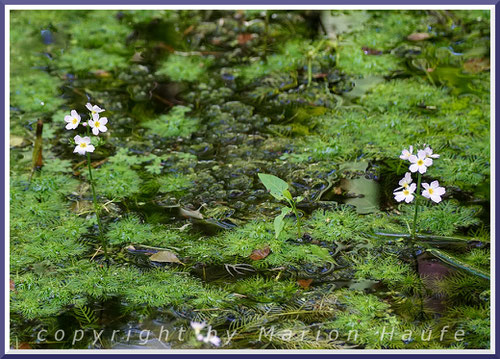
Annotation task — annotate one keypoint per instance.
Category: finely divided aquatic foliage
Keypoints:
(249, 178)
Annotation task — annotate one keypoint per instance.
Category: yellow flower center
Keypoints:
(97, 124)
(83, 145)
(406, 192)
(420, 162)
(75, 121)
(93, 112)
(405, 185)
(430, 190)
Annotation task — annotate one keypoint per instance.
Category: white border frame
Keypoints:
(8, 8)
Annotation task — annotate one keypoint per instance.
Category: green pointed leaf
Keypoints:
(276, 186)
(279, 222)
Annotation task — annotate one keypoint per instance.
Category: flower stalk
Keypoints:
(84, 147)
(417, 203)
(97, 210)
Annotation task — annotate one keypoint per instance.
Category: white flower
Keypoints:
(420, 162)
(94, 109)
(428, 152)
(83, 145)
(98, 124)
(406, 194)
(197, 326)
(433, 191)
(73, 120)
(214, 340)
(405, 182)
(406, 153)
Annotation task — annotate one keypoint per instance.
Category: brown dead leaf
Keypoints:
(12, 286)
(259, 254)
(304, 283)
(476, 65)
(244, 38)
(419, 36)
(102, 73)
(165, 257)
(24, 345)
(370, 51)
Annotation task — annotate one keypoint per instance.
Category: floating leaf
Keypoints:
(354, 166)
(165, 257)
(16, 141)
(366, 192)
(458, 263)
(259, 254)
(276, 186)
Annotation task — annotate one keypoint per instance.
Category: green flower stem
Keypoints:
(417, 202)
(294, 209)
(96, 207)
(309, 71)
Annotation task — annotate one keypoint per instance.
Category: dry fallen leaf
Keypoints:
(188, 213)
(259, 254)
(165, 257)
(12, 286)
(244, 38)
(304, 283)
(476, 65)
(419, 36)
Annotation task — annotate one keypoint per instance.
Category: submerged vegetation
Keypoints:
(170, 223)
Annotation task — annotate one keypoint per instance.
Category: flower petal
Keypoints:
(434, 184)
(425, 185)
(436, 198)
(90, 148)
(88, 106)
(428, 162)
(399, 196)
(69, 126)
(409, 198)
(422, 169)
(421, 154)
(68, 118)
(440, 191)
(426, 194)
(414, 167)
(413, 159)
(103, 128)
(78, 139)
(103, 120)
(95, 131)
(86, 139)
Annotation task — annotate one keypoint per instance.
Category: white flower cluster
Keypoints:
(97, 123)
(212, 339)
(419, 163)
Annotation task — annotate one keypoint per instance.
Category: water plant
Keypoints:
(279, 190)
(85, 147)
(419, 164)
